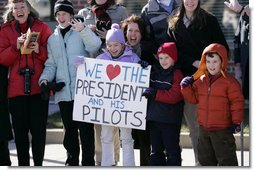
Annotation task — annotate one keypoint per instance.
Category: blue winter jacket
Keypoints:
(167, 107)
(61, 55)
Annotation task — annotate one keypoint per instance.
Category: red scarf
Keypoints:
(23, 27)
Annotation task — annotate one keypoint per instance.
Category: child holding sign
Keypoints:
(165, 108)
(117, 51)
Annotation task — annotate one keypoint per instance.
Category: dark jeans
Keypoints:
(217, 148)
(165, 137)
(74, 130)
(4, 154)
(29, 114)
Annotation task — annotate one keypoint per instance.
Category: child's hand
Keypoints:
(77, 25)
(187, 81)
(102, 33)
(233, 5)
(78, 60)
(196, 63)
(149, 93)
(143, 64)
(235, 128)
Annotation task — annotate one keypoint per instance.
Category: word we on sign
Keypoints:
(110, 93)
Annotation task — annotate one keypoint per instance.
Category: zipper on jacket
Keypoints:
(208, 97)
(65, 38)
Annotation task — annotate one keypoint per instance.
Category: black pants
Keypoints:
(71, 137)
(4, 154)
(165, 137)
(29, 114)
(142, 142)
(217, 148)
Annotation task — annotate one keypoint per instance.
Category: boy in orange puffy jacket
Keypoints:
(220, 104)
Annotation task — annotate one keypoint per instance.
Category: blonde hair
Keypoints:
(8, 17)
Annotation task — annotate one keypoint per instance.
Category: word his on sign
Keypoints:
(109, 93)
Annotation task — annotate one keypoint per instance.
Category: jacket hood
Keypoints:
(214, 47)
(127, 51)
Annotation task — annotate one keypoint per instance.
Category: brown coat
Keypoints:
(219, 103)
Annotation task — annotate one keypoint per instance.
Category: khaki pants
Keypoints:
(190, 115)
(107, 144)
(98, 151)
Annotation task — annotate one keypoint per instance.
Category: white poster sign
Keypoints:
(110, 93)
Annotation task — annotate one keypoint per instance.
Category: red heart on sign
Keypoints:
(113, 71)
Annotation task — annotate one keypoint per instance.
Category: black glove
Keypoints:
(149, 93)
(143, 64)
(186, 81)
(59, 86)
(103, 24)
(56, 86)
(45, 92)
(235, 128)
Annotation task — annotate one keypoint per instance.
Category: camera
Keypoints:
(27, 72)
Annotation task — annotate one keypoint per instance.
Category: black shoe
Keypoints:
(71, 161)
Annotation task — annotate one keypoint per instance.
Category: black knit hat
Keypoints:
(63, 5)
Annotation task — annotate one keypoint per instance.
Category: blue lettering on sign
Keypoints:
(93, 101)
(134, 74)
(125, 71)
(117, 104)
(95, 72)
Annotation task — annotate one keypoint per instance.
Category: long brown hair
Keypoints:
(198, 15)
(8, 17)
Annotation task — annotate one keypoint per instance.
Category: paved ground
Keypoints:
(55, 156)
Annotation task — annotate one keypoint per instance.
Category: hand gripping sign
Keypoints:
(109, 93)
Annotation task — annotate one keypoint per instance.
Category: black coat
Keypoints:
(167, 81)
(242, 51)
(5, 125)
(191, 42)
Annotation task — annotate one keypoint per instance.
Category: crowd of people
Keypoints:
(188, 55)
